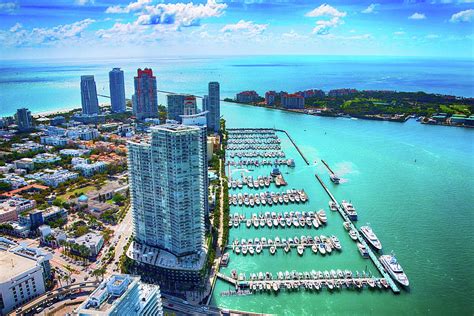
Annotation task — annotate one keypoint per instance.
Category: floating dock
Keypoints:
(372, 256)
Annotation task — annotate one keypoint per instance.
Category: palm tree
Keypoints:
(99, 272)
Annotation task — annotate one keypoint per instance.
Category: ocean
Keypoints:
(413, 183)
(48, 85)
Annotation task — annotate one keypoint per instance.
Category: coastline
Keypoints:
(403, 119)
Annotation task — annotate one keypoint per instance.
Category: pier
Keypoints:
(372, 255)
(327, 166)
(295, 281)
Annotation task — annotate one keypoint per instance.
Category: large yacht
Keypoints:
(349, 210)
(371, 237)
(392, 266)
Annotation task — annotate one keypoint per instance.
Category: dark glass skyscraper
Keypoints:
(117, 90)
(213, 105)
(90, 104)
(145, 100)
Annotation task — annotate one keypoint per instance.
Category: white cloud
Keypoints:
(432, 36)
(246, 27)
(18, 36)
(8, 7)
(324, 26)
(84, 2)
(16, 27)
(131, 7)
(292, 35)
(326, 10)
(178, 14)
(462, 16)
(399, 33)
(372, 8)
(417, 16)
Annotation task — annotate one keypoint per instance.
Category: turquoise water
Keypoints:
(421, 210)
(47, 85)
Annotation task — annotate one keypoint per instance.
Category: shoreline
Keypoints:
(361, 117)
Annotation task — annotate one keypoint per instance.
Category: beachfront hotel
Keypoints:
(117, 90)
(166, 173)
(145, 99)
(90, 103)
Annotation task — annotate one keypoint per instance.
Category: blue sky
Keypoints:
(145, 28)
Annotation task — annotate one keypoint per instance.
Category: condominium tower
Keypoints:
(117, 90)
(212, 104)
(166, 176)
(145, 99)
(23, 120)
(90, 103)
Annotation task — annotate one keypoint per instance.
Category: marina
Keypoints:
(309, 281)
(287, 219)
(290, 219)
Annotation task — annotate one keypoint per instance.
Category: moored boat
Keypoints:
(371, 237)
(392, 266)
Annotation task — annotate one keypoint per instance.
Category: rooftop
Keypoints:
(158, 257)
(11, 265)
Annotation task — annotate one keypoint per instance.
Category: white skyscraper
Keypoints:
(166, 177)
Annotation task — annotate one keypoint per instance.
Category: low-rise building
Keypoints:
(14, 180)
(123, 295)
(91, 240)
(74, 152)
(57, 120)
(89, 169)
(82, 132)
(46, 158)
(24, 163)
(23, 274)
(11, 207)
(53, 178)
(57, 141)
(27, 146)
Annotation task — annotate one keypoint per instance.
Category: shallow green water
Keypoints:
(422, 210)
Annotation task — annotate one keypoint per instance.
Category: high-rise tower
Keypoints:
(117, 90)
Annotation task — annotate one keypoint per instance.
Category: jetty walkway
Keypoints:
(372, 255)
(327, 166)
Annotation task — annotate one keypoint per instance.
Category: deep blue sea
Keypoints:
(47, 85)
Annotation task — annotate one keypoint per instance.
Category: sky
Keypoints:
(31, 29)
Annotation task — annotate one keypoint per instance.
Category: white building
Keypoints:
(23, 272)
(123, 294)
(46, 158)
(10, 208)
(74, 152)
(53, 178)
(167, 181)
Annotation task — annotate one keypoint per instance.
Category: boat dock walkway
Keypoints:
(372, 255)
(327, 166)
(226, 278)
(277, 130)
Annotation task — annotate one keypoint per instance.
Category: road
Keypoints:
(121, 235)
